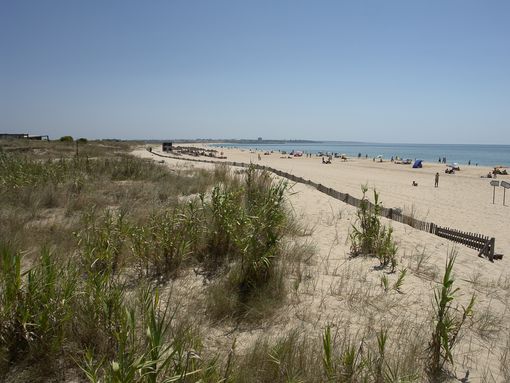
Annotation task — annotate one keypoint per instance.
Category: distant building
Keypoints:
(167, 147)
(36, 137)
(13, 135)
(23, 135)
(259, 139)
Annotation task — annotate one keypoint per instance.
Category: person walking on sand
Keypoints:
(436, 180)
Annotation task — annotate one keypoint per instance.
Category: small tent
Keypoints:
(417, 164)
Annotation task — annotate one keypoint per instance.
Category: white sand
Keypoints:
(348, 293)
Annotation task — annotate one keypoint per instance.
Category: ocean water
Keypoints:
(483, 155)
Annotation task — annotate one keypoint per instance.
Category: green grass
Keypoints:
(447, 322)
(36, 306)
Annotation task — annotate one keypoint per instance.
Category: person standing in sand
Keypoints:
(436, 180)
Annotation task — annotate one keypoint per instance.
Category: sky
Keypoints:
(373, 71)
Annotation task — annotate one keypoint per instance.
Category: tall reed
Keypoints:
(447, 322)
(36, 307)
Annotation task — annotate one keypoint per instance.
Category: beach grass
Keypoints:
(117, 268)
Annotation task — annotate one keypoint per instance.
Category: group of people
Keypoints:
(495, 172)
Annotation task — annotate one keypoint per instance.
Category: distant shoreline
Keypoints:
(279, 142)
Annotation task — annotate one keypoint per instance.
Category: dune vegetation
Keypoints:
(115, 268)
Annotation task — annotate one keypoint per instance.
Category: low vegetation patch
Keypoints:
(94, 250)
(75, 303)
(369, 236)
(448, 320)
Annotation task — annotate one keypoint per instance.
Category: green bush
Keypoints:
(66, 139)
(248, 225)
(369, 236)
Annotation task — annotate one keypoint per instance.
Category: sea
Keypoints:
(482, 155)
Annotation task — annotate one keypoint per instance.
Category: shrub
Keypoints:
(226, 219)
(265, 220)
(370, 237)
(248, 225)
(66, 139)
(174, 235)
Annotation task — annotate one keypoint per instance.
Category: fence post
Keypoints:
(390, 213)
(491, 251)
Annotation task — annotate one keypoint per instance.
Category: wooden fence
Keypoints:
(483, 244)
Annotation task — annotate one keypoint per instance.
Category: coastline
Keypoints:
(464, 154)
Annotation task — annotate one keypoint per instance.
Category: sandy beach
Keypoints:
(348, 292)
(462, 201)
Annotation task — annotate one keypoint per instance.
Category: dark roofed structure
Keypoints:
(18, 136)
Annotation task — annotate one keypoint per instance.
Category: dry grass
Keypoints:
(156, 249)
(128, 225)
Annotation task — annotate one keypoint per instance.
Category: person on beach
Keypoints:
(436, 180)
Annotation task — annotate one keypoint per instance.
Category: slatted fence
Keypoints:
(485, 245)
(482, 243)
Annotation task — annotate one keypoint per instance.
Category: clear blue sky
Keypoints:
(378, 71)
